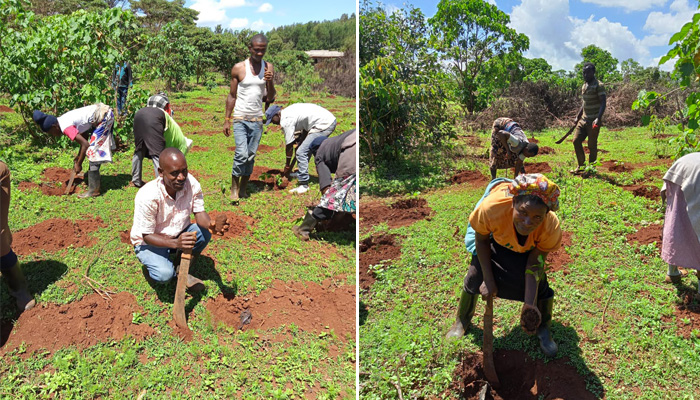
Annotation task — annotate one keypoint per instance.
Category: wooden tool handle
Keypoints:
(179, 302)
(489, 366)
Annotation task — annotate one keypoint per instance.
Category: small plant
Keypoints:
(136, 318)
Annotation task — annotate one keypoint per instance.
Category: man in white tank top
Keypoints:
(251, 84)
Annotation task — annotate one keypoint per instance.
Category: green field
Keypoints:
(622, 332)
(133, 352)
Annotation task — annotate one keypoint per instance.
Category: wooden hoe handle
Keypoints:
(179, 303)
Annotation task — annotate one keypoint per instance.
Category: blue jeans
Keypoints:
(157, 259)
(303, 153)
(121, 98)
(247, 135)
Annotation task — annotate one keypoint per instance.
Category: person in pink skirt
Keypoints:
(681, 234)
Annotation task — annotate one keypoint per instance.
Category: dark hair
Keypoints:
(529, 198)
(589, 65)
(259, 38)
(533, 149)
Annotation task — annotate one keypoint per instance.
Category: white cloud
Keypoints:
(669, 23)
(259, 25)
(493, 2)
(655, 40)
(210, 12)
(560, 41)
(627, 5)
(265, 7)
(238, 23)
(667, 66)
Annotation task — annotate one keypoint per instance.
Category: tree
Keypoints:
(170, 56)
(470, 34)
(605, 63)
(157, 13)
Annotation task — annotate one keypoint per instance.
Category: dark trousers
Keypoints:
(585, 129)
(508, 269)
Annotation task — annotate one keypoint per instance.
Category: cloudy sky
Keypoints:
(559, 29)
(263, 15)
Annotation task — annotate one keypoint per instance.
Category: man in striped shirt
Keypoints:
(592, 109)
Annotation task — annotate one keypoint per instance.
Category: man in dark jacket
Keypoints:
(333, 155)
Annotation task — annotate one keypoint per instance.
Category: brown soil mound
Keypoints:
(560, 259)
(263, 148)
(600, 151)
(270, 180)
(615, 166)
(687, 311)
(546, 150)
(55, 234)
(6, 109)
(309, 306)
(476, 178)
(374, 250)
(401, 213)
(521, 378)
(54, 182)
(125, 236)
(647, 234)
(650, 192)
(530, 319)
(82, 324)
(199, 148)
(538, 168)
(533, 140)
(193, 123)
(230, 224)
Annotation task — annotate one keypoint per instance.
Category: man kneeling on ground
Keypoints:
(162, 219)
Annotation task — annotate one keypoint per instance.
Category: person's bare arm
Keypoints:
(186, 240)
(483, 251)
(503, 137)
(533, 271)
(289, 154)
(202, 219)
(518, 168)
(231, 98)
(78, 160)
(603, 102)
(269, 84)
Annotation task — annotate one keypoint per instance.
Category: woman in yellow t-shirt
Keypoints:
(512, 230)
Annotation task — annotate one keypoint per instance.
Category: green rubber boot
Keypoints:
(465, 312)
(307, 225)
(548, 346)
(93, 185)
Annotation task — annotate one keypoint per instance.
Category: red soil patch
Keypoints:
(210, 132)
(646, 235)
(533, 140)
(82, 324)
(125, 236)
(199, 148)
(616, 166)
(546, 150)
(650, 192)
(373, 251)
(560, 259)
(193, 123)
(476, 178)
(262, 148)
(687, 311)
(196, 109)
(309, 306)
(55, 234)
(600, 151)
(258, 176)
(402, 213)
(538, 168)
(521, 378)
(230, 224)
(6, 109)
(54, 182)
(653, 174)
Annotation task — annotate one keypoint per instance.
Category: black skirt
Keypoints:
(508, 269)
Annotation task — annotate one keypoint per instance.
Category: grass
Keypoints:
(613, 317)
(220, 362)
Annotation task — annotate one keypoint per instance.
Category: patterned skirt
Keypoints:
(101, 141)
(341, 195)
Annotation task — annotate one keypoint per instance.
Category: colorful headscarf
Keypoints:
(538, 185)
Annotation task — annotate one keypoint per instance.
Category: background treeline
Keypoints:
(421, 78)
(59, 55)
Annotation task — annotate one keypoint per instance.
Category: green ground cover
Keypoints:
(283, 362)
(615, 319)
